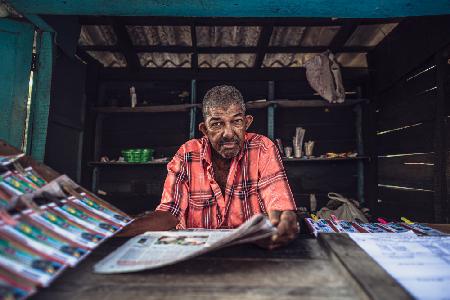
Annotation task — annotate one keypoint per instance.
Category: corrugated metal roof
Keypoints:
(281, 60)
(97, 35)
(228, 37)
(226, 60)
(370, 35)
(109, 59)
(160, 35)
(165, 60)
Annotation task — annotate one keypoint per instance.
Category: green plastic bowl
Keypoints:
(139, 155)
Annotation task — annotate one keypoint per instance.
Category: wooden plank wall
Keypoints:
(63, 148)
(410, 102)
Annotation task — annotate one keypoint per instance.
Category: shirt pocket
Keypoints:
(201, 211)
(201, 201)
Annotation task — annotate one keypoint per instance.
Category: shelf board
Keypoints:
(251, 105)
(324, 159)
(105, 164)
(146, 109)
(317, 103)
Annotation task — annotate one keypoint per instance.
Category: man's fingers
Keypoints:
(274, 217)
(287, 228)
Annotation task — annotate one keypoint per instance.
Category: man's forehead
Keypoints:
(229, 111)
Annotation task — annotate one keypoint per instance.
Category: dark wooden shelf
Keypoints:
(316, 159)
(105, 164)
(304, 103)
(251, 105)
(146, 109)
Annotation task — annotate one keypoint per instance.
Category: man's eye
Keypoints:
(216, 124)
(238, 122)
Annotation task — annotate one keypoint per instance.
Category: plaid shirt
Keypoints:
(256, 183)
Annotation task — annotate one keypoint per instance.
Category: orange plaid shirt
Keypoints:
(256, 183)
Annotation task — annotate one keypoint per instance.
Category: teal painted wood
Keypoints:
(16, 42)
(39, 22)
(40, 101)
(244, 8)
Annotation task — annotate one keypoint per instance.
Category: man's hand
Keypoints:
(287, 229)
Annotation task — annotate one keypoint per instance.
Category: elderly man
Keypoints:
(222, 179)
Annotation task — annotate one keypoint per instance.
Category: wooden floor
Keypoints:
(332, 268)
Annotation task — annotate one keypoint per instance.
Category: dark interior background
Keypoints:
(405, 125)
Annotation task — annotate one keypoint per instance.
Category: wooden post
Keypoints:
(193, 110)
(360, 150)
(40, 99)
(97, 148)
(15, 51)
(271, 111)
(440, 204)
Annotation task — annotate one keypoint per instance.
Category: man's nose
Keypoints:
(228, 131)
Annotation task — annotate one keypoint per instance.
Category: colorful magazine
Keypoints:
(43, 241)
(26, 262)
(74, 232)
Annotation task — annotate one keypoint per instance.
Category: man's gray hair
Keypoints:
(222, 96)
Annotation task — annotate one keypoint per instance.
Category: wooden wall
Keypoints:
(411, 93)
(64, 143)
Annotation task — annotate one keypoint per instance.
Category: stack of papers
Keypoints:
(420, 264)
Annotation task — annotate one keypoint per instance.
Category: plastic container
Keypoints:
(140, 155)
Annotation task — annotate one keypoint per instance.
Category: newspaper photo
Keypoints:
(155, 249)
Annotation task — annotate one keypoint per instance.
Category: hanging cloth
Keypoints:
(324, 76)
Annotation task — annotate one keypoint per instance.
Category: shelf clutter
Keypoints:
(46, 226)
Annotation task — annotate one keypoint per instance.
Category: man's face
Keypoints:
(225, 129)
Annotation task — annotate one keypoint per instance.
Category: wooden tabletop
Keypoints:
(331, 267)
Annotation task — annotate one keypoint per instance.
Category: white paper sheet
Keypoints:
(420, 264)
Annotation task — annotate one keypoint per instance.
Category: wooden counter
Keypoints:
(332, 267)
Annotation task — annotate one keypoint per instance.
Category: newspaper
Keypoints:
(155, 249)
(420, 264)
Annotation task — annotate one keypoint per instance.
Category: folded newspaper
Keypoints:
(155, 249)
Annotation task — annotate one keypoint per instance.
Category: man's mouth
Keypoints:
(229, 144)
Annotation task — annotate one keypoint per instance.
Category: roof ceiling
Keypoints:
(265, 45)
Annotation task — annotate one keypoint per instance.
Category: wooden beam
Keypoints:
(86, 58)
(272, 49)
(147, 109)
(350, 75)
(126, 46)
(343, 35)
(263, 44)
(187, 21)
(240, 8)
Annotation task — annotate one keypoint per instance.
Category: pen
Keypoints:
(409, 222)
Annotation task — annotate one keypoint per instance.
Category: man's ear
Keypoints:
(248, 121)
(202, 128)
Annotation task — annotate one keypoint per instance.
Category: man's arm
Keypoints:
(277, 196)
(154, 221)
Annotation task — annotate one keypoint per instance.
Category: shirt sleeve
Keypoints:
(174, 198)
(273, 184)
